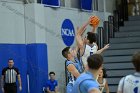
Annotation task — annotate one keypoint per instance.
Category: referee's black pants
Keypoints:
(10, 88)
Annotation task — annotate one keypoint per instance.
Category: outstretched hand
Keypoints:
(106, 46)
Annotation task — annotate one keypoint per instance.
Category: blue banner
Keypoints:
(51, 3)
(86, 5)
(67, 32)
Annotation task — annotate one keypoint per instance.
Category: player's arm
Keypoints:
(71, 68)
(76, 49)
(103, 49)
(79, 40)
(93, 30)
(106, 87)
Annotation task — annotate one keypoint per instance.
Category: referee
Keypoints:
(9, 76)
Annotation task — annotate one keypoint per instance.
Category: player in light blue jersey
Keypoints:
(86, 82)
(73, 65)
(131, 83)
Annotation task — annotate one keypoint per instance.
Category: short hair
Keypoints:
(136, 61)
(51, 73)
(65, 52)
(95, 61)
(92, 37)
(104, 73)
(10, 59)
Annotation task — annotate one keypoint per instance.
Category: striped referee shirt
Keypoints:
(10, 74)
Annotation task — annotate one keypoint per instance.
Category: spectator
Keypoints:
(52, 85)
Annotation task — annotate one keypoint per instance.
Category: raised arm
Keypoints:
(93, 30)
(80, 31)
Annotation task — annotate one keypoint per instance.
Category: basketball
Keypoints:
(94, 21)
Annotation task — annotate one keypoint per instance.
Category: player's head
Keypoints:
(136, 61)
(95, 62)
(91, 37)
(52, 75)
(10, 62)
(68, 53)
(102, 73)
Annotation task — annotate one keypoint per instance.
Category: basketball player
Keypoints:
(73, 67)
(86, 82)
(88, 45)
(103, 81)
(131, 83)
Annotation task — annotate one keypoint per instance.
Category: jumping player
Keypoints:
(88, 45)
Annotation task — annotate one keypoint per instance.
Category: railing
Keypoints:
(108, 30)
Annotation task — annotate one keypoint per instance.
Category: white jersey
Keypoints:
(88, 51)
(102, 85)
(130, 84)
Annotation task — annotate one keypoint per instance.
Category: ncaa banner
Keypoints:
(86, 5)
(67, 32)
(51, 3)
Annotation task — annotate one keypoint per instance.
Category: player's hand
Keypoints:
(106, 46)
(2, 90)
(89, 20)
(20, 88)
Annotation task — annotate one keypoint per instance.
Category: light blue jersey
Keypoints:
(84, 83)
(80, 65)
(72, 79)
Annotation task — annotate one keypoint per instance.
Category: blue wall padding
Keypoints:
(30, 59)
(18, 53)
(38, 66)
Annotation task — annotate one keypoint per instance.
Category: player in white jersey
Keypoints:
(88, 45)
(131, 83)
(103, 81)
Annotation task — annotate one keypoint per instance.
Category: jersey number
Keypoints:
(91, 53)
(135, 90)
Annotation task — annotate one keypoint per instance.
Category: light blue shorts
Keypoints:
(69, 88)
